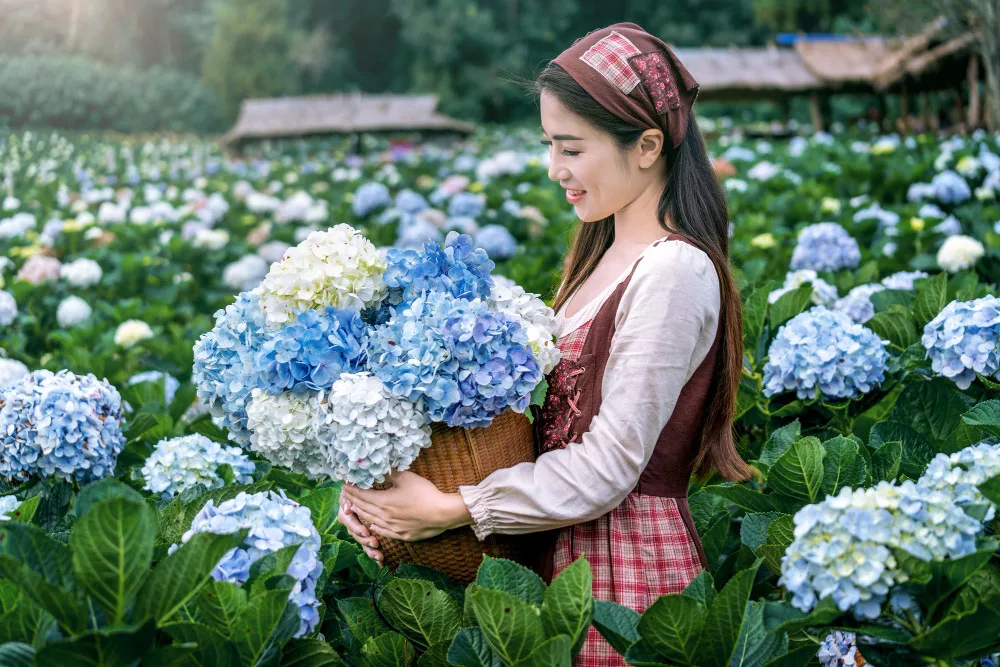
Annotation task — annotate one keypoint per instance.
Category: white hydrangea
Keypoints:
(338, 267)
(538, 320)
(81, 272)
(11, 370)
(72, 311)
(283, 427)
(366, 432)
(959, 252)
(17, 225)
(177, 464)
(131, 332)
(245, 273)
(823, 292)
(8, 505)
(212, 239)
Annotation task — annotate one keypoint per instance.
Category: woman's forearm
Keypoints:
(454, 513)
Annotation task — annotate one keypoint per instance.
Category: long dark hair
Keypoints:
(695, 204)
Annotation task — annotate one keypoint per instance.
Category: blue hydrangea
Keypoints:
(823, 352)
(225, 363)
(950, 226)
(274, 522)
(839, 649)
(60, 425)
(466, 204)
(950, 188)
(857, 303)
(930, 211)
(458, 268)
(370, 197)
(844, 546)
(903, 280)
(311, 352)
(413, 233)
(825, 246)
(178, 464)
(410, 201)
(512, 206)
(964, 339)
(462, 362)
(960, 474)
(497, 241)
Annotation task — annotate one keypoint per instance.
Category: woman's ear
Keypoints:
(650, 146)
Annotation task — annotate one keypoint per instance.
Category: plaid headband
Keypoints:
(635, 76)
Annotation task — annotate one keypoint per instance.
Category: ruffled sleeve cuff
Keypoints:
(478, 500)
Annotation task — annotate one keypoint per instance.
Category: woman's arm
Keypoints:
(666, 322)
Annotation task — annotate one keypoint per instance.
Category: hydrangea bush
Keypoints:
(964, 339)
(825, 246)
(178, 464)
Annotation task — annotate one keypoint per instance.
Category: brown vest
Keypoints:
(670, 467)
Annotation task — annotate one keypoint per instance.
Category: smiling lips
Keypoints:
(574, 196)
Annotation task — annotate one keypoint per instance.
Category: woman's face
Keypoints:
(587, 163)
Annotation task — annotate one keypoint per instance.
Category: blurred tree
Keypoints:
(808, 15)
(249, 52)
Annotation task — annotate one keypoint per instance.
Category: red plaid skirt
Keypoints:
(637, 552)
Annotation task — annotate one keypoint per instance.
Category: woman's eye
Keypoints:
(570, 153)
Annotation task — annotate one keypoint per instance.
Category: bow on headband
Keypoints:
(635, 76)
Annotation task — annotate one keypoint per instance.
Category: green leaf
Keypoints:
(212, 648)
(111, 647)
(961, 637)
(701, 588)
(843, 464)
(931, 298)
(779, 443)
(792, 620)
(310, 653)
(511, 626)
(618, 624)
(420, 611)
(753, 501)
(991, 489)
(724, 620)
(933, 407)
(27, 622)
(711, 520)
(270, 565)
(753, 530)
(789, 305)
(754, 314)
(672, 626)
(568, 604)
(267, 622)
(112, 547)
(885, 461)
(756, 645)
(948, 576)
(470, 649)
(642, 654)
(139, 424)
(894, 325)
(780, 534)
(917, 452)
(388, 650)
(436, 577)
(221, 603)
(177, 579)
(103, 489)
(799, 657)
(17, 654)
(798, 473)
(538, 393)
(985, 414)
(500, 574)
(888, 298)
(363, 622)
(43, 568)
(435, 656)
(324, 504)
(554, 652)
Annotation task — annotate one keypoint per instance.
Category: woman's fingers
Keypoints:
(375, 555)
(357, 529)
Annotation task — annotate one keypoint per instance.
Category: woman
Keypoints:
(650, 333)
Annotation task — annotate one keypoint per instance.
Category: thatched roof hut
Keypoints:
(844, 63)
(747, 72)
(341, 113)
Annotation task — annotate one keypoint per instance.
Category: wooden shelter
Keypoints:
(342, 113)
(736, 73)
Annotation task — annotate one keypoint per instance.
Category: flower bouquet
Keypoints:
(349, 363)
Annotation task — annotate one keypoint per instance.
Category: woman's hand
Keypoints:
(358, 531)
(413, 509)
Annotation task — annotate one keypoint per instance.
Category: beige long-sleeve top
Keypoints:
(665, 324)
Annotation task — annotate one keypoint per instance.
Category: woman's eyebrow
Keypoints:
(563, 137)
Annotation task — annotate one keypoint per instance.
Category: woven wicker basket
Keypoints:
(465, 457)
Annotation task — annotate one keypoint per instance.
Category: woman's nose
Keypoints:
(556, 171)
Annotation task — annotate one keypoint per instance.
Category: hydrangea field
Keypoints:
(161, 504)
